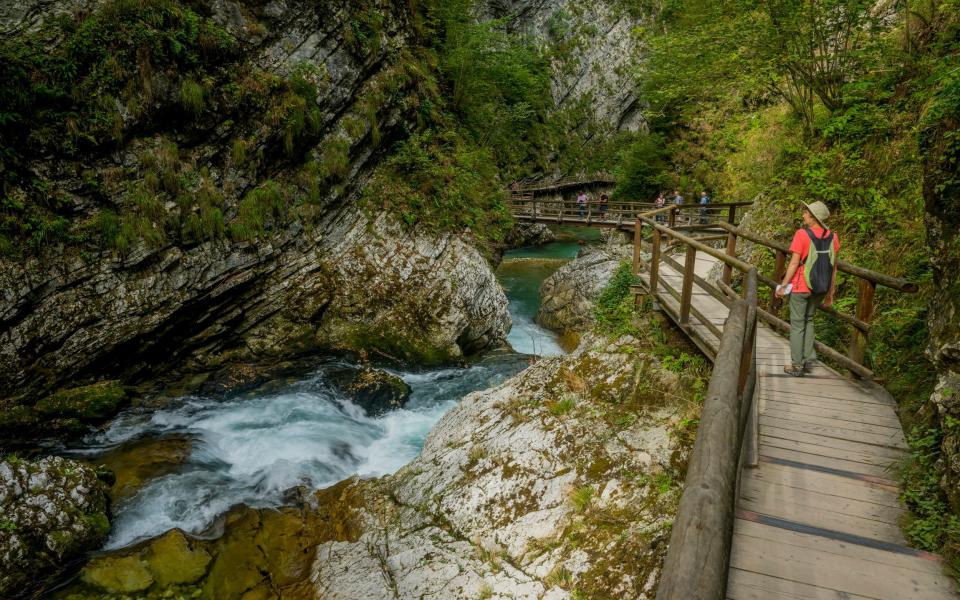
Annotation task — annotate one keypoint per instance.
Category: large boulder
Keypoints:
(52, 511)
(568, 296)
(529, 234)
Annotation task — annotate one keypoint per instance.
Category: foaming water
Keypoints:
(254, 450)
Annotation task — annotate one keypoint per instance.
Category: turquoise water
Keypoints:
(521, 274)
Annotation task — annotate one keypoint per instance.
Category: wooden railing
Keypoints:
(621, 213)
(853, 361)
(698, 558)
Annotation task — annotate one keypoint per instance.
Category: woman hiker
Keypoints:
(810, 280)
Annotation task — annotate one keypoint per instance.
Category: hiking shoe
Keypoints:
(809, 365)
(793, 370)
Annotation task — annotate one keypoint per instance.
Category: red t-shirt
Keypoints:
(801, 245)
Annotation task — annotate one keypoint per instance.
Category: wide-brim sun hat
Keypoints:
(819, 211)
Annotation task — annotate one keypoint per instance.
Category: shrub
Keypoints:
(191, 96)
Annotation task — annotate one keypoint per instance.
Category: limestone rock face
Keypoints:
(599, 73)
(51, 512)
(568, 296)
(529, 234)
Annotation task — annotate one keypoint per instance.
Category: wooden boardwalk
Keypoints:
(818, 518)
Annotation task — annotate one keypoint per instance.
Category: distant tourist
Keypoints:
(582, 204)
(677, 200)
(604, 201)
(704, 201)
(660, 202)
(810, 281)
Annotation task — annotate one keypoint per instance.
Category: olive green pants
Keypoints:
(802, 308)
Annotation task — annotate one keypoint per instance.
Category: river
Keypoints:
(254, 448)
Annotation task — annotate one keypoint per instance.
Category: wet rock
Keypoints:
(374, 390)
(117, 575)
(134, 464)
(51, 512)
(568, 296)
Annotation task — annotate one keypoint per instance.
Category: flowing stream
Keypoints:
(255, 448)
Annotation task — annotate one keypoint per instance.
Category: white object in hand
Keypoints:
(786, 289)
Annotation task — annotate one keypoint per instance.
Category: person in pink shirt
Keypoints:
(810, 281)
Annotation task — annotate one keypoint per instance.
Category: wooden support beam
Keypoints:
(779, 270)
(654, 261)
(731, 252)
(686, 292)
(637, 242)
(864, 312)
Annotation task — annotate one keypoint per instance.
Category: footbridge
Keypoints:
(791, 490)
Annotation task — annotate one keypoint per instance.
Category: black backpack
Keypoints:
(818, 267)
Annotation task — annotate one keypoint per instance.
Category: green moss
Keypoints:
(98, 523)
(172, 561)
(89, 402)
(118, 575)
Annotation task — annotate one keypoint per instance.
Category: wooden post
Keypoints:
(731, 251)
(654, 263)
(732, 215)
(687, 291)
(637, 237)
(864, 312)
(779, 270)
(672, 218)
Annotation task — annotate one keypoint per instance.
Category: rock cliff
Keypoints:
(300, 266)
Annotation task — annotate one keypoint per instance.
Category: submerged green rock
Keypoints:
(90, 402)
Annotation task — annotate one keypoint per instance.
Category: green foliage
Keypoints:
(191, 96)
(582, 497)
(563, 406)
(614, 307)
(257, 211)
(442, 180)
(642, 168)
(931, 524)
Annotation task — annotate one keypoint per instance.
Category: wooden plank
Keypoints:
(797, 507)
(750, 532)
(747, 585)
(817, 402)
(886, 440)
(842, 573)
(832, 420)
(802, 479)
(832, 442)
(769, 495)
(880, 471)
(838, 411)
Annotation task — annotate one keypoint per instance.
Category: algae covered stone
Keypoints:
(172, 560)
(118, 575)
(90, 402)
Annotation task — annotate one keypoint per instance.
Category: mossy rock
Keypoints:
(90, 402)
(173, 561)
(118, 575)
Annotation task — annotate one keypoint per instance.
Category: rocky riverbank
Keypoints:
(562, 479)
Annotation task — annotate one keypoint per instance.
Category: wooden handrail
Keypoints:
(698, 558)
(889, 281)
(860, 322)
